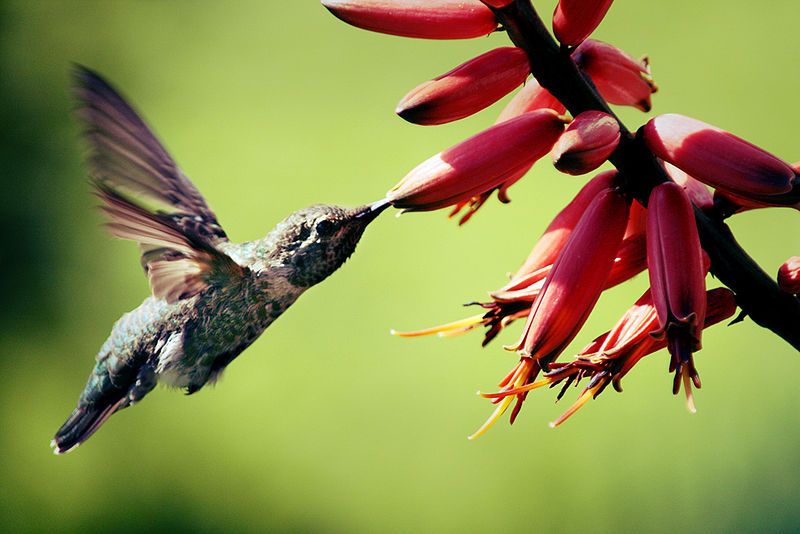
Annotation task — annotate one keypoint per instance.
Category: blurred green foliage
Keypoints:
(327, 423)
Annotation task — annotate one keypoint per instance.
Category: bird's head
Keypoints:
(315, 241)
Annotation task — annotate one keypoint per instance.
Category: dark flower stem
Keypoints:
(756, 292)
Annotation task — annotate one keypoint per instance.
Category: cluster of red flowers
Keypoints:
(602, 237)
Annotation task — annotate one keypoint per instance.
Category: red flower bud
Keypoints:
(478, 164)
(587, 143)
(621, 79)
(424, 19)
(576, 280)
(698, 193)
(716, 157)
(789, 275)
(575, 20)
(467, 89)
(530, 98)
(677, 277)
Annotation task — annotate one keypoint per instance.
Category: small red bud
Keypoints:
(479, 164)
(716, 157)
(575, 20)
(620, 78)
(587, 143)
(467, 89)
(789, 275)
(424, 19)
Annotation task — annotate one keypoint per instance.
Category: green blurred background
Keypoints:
(328, 424)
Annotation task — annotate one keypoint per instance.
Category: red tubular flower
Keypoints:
(612, 355)
(575, 20)
(587, 143)
(789, 275)
(498, 3)
(424, 19)
(621, 79)
(697, 191)
(478, 164)
(576, 280)
(530, 98)
(677, 278)
(467, 89)
(716, 157)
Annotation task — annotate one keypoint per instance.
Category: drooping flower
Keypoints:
(575, 20)
(478, 164)
(424, 19)
(677, 278)
(531, 97)
(789, 275)
(716, 157)
(620, 78)
(608, 358)
(577, 278)
(587, 143)
(467, 89)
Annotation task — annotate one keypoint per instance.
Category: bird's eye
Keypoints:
(325, 227)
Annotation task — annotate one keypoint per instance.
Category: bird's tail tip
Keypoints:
(81, 424)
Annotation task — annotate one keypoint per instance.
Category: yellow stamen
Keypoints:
(517, 390)
(687, 387)
(583, 399)
(469, 322)
(498, 412)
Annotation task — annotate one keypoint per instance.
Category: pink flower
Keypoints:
(716, 157)
(575, 20)
(677, 278)
(478, 164)
(621, 79)
(530, 98)
(789, 275)
(467, 89)
(587, 143)
(425, 19)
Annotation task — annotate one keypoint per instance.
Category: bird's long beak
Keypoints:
(371, 211)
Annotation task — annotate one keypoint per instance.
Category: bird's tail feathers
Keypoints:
(81, 424)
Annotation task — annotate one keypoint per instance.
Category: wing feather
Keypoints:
(126, 155)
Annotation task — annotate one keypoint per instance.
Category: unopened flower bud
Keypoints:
(587, 143)
(467, 89)
(478, 164)
(620, 78)
(575, 20)
(530, 98)
(789, 275)
(424, 19)
(716, 157)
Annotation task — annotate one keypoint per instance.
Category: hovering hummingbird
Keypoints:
(210, 298)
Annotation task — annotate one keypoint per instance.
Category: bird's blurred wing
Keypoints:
(178, 262)
(126, 155)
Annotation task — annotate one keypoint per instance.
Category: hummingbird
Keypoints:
(211, 298)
